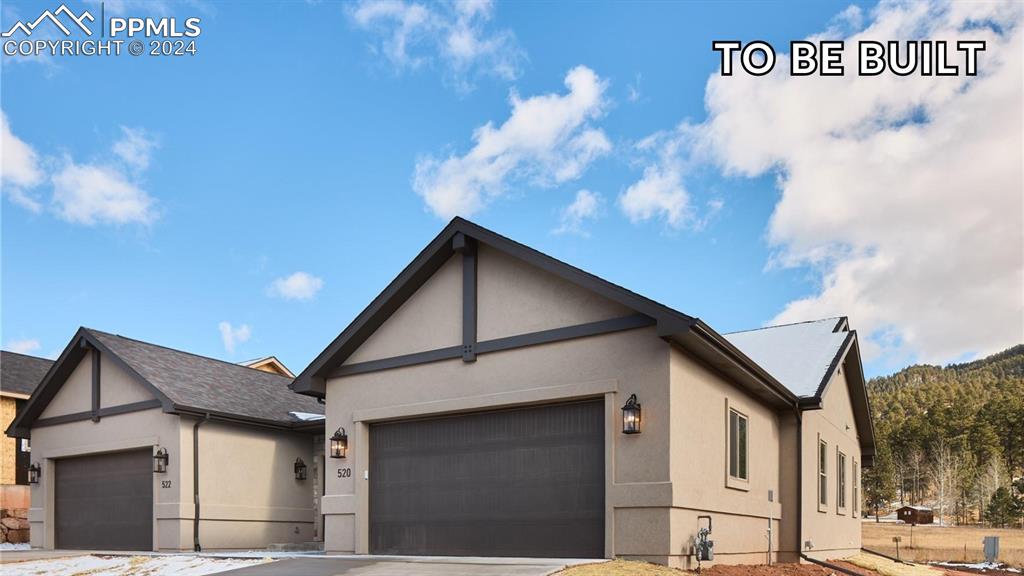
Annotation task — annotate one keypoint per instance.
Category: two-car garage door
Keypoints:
(522, 482)
(105, 501)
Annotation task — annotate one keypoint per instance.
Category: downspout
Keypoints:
(799, 479)
(195, 481)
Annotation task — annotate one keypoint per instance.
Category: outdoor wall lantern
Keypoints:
(160, 460)
(300, 469)
(631, 416)
(33, 474)
(339, 443)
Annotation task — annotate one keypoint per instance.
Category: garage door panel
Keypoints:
(105, 502)
(525, 482)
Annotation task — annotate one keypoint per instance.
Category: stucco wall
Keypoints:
(741, 511)
(249, 497)
(657, 482)
(249, 494)
(149, 428)
(430, 319)
(832, 532)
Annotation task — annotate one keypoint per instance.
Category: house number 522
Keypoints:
(344, 472)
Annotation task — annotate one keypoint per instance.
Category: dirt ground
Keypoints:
(631, 568)
(944, 543)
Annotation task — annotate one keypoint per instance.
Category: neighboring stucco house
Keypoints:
(481, 399)
(142, 447)
(19, 376)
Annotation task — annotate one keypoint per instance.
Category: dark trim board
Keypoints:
(95, 415)
(499, 344)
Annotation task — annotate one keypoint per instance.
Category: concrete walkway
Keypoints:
(407, 566)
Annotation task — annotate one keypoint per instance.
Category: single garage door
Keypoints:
(105, 502)
(523, 482)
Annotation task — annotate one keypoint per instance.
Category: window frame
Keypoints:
(822, 475)
(840, 481)
(855, 500)
(742, 460)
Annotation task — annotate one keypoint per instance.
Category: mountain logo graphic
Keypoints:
(27, 29)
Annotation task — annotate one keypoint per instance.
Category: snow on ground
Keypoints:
(977, 566)
(7, 547)
(178, 565)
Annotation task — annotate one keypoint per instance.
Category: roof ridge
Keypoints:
(186, 352)
(782, 325)
(27, 355)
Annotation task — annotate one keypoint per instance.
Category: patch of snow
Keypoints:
(7, 546)
(306, 416)
(172, 565)
(978, 566)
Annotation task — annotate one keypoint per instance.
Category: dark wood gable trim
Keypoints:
(673, 326)
(81, 344)
(467, 247)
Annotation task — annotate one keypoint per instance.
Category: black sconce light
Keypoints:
(339, 443)
(34, 472)
(160, 460)
(300, 469)
(631, 416)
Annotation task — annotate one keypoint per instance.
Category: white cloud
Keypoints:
(20, 168)
(134, 147)
(99, 192)
(586, 207)
(410, 34)
(232, 336)
(26, 346)
(902, 194)
(547, 140)
(298, 286)
(92, 194)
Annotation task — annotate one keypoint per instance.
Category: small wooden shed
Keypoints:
(915, 515)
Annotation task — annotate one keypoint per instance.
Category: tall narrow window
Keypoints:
(841, 480)
(737, 445)
(822, 472)
(856, 492)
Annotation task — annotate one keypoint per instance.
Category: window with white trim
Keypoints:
(822, 472)
(856, 491)
(840, 480)
(738, 425)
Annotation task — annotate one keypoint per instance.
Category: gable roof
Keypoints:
(800, 355)
(269, 364)
(21, 373)
(676, 327)
(183, 382)
(805, 356)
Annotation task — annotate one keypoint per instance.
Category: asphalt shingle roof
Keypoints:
(21, 373)
(208, 384)
(797, 355)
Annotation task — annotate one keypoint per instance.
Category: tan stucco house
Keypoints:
(480, 401)
(137, 446)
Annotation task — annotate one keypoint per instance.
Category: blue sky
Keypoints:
(291, 143)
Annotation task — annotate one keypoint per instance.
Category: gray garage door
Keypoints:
(524, 482)
(105, 502)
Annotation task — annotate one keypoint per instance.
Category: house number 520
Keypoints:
(344, 472)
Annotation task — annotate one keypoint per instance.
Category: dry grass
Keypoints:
(944, 544)
(889, 568)
(620, 568)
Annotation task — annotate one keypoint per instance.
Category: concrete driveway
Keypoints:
(406, 566)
